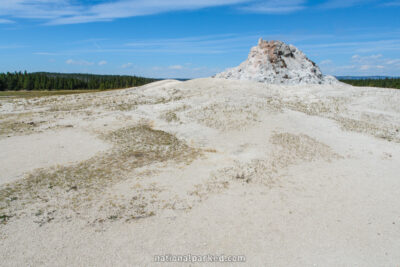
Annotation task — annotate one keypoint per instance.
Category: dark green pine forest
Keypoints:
(59, 81)
(385, 83)
(15, 81)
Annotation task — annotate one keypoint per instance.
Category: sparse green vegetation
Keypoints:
(4, 218)
(79, 184)
(15, 127)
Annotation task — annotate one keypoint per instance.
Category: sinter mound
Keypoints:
(277, 63)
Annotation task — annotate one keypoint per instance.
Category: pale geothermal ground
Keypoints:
(285, 175)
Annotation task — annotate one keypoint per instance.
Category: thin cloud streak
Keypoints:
(393, 3)
(79, 62)
(45, 54)
(365, 65)
(59, 12)
(175, 67)
(6, 21)
(234, 43)
(12, 46)
(127, 65)
(334, 4)
(125, 9)
(359, 47)
(275, 6)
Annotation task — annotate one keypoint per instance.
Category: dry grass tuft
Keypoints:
(21, 123)
(289, 149)
(170, 116)
(69, 189)
(384, 132)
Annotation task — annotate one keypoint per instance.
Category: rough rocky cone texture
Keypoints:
(275, 62)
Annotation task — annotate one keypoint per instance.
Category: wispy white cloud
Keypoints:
(331, 4)
(371, 59)
(371, 67)
(6, 21)
(45, 54)
(131, 8)
(209, 44)
(393, 62)
(39, 9)
(127, 65)
(275, 6)
(366, 65)
(326, 62)
(176, 67)
(336, 4)
(12, 46)
(392, 3)
(184, 71)
(102, 63)
(369, 46)
(55, 12)
(70, 12)
(363, 59)
(79, 62)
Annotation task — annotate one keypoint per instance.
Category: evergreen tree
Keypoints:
(27, 83)
(385, 83)
(2, 84)
(60, 81)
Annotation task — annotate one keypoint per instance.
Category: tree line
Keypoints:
(60, 81)
(385, 83)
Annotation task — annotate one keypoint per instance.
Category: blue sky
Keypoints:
(188, 39)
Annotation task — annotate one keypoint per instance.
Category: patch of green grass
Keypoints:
(31, 94)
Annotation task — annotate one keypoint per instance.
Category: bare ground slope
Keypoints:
(286, 175)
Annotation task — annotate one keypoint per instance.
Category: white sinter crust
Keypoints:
(275, 62)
